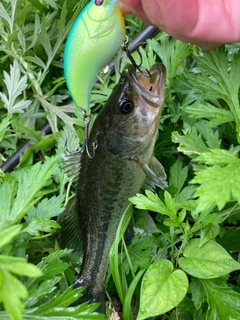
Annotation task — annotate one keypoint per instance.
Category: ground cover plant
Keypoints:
(183, 261)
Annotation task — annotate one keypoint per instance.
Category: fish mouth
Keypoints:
(152, 88)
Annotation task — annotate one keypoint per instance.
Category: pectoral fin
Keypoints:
(154, 172)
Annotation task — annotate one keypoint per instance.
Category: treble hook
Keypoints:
(86, 119)
(130, 57)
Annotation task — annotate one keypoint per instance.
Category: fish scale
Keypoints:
(121, 163)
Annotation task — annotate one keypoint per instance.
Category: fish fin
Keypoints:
(155, 172)
(69, 236)
(73, 165)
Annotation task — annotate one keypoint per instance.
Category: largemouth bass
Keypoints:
(125, 132)
(94, 39)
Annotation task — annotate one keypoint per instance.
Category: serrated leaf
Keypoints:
(224, 303)
(191, 143)
(207, 110)
(41, 224)
(208, 261)
(152, 202)
(162, 289)
(30, 183)
(218, 156)
(15, 85)
(217, 186)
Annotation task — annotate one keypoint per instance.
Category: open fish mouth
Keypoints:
(150, 88)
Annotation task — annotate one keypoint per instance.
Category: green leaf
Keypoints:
(15, 85)
(53, 264)
(30, 183)
(198, 293)
(41, 224)
(178, 175)
(19, 266)
(191, 143)
(4, 126)
(152, 202)
(38, 293)
(209, 232)
(7, 235)
(47, 208)
(207, 110)
(59, 307)
(218, 156)
(11, 293)
(141, 252)
(217, 185)
(224, 303)
(162, 289)
(208, 261)
(220, 82)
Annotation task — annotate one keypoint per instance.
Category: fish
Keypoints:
(125, 132)
(94, 39)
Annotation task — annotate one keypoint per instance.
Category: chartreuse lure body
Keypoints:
(94, 39)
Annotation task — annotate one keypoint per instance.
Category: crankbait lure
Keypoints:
(94, 39)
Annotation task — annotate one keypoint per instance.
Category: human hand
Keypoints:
(207, 23)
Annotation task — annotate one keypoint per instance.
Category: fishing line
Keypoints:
(13, 161)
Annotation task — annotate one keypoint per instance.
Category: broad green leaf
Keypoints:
(162, 289)
(224, 303)
(8, 234)
(208, 261)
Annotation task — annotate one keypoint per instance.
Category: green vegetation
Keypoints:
(183, 262)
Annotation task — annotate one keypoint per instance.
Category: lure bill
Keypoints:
(125, 132)
(94, 39)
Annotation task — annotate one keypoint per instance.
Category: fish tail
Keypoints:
(92, 294)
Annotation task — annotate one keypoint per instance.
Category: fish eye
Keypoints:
(98, 2)
(126, 106)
